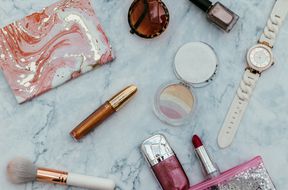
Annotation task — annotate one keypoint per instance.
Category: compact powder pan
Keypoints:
(195, 65)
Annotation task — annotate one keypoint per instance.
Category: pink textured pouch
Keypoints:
(50, 47)
(251, 175)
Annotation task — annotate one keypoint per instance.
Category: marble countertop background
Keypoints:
(39, 129)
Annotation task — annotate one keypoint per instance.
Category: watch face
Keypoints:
(260, 57)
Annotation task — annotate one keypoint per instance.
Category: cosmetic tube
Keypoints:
(103, 112)
(164, 163)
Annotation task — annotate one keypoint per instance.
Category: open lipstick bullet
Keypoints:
(209, 168)
(103, 112)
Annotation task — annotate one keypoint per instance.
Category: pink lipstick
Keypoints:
(164, 163)
(209, 168)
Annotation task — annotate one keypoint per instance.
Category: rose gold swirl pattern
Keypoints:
(50, 47)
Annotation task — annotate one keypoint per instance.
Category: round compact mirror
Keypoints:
(195, 65)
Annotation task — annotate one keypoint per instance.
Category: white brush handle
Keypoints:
(90, 182)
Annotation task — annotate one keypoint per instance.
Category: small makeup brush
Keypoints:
(21, 170)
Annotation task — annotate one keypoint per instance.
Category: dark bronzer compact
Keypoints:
(217, 13)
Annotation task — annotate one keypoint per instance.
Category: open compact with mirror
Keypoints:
(195, 65)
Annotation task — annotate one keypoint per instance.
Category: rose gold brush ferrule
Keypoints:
(103, 112)
(51, 176)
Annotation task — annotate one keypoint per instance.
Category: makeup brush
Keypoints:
(21, 170)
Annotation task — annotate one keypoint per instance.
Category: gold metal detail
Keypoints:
(51, 176)
(266, 44)
(120, 99)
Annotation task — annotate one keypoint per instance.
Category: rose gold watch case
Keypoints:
(252, 65)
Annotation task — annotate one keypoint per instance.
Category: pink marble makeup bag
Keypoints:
(51, 47)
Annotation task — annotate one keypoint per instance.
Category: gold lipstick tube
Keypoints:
(51, 176)
(103, 112)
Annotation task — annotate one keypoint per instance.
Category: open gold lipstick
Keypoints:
(103, 112)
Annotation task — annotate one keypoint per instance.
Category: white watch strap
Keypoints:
(278, 15)
(237, 109)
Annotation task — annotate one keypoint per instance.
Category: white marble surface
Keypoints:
(39, 129)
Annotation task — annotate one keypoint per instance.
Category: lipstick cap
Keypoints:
(156, 149)
(120, 99)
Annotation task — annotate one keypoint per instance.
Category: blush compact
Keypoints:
(195, 65)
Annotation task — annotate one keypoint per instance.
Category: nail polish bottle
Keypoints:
(164, 163)
(217, 13)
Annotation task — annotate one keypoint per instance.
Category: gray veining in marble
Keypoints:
(39, 129)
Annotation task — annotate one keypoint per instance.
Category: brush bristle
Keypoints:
(21, 170)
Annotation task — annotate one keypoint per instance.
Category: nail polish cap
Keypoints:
(156, 149)
(202, 4)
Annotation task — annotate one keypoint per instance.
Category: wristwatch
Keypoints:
(259, 58)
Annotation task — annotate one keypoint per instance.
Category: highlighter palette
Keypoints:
(176, 101)
(51, 47)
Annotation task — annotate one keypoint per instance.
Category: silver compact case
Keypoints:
(195, 65)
